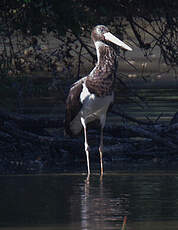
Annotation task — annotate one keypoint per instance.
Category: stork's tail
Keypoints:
(73, 128)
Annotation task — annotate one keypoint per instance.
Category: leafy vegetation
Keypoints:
(26, 24)
(31, 17)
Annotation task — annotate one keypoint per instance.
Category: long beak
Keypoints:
(110, 37)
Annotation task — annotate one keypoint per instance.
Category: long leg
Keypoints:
(101, 150)
(86, 144)
(102, 121)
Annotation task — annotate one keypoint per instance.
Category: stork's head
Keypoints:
(101, 33)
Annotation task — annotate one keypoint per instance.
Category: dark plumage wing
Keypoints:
(73, 105)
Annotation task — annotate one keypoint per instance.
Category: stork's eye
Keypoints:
(102, 29)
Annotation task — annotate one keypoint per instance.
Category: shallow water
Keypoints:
(149, 200)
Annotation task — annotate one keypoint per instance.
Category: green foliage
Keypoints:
(31, 17)
(25, 1)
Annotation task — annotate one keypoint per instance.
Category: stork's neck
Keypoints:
(101, 79)
(99, 46)
(106, 57)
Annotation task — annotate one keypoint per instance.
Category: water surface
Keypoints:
(70, 201)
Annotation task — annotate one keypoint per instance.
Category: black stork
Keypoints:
(90, 97)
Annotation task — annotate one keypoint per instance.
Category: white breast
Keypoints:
(93, 107)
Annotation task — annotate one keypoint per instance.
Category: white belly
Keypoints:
(93, 107)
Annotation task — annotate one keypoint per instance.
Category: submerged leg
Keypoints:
(86, 144)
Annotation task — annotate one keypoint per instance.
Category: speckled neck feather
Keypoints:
(101, 79)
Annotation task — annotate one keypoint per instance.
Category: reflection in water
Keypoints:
(71, 202)
(99, 210)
